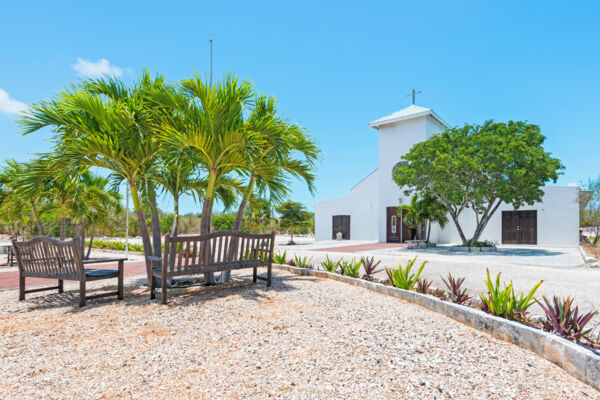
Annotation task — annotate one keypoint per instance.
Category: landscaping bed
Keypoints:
(302, 338)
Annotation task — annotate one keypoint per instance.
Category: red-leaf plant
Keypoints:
(456, 294)
(564, 321)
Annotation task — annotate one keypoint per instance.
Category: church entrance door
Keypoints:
(397, 231)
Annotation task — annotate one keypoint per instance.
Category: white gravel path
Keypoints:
(303, 338)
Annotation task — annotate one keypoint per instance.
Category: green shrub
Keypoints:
(504, 302)
(351, 268)
(280, 258)
(302, 262)
(330, 265)
(115, 245)
(402, 278)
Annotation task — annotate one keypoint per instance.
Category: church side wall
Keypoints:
(557, 220)
(360, 204)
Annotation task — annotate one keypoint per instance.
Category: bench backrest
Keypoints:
(217, 251)
(46, 257)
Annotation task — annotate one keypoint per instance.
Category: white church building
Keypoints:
(369, 210)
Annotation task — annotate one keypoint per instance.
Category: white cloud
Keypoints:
(8, 105)
(97, 69)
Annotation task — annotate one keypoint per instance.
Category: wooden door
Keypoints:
(528, 227)
(340, 223)
(396, 230)
(519, 227)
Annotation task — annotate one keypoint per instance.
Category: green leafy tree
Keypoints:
(223, 222)
(591, 208)
(292, 216)
(479, 167)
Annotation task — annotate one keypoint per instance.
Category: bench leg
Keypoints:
(120, 281)
(269, 275)
(82, 293)
(61, 286)
(21, 288)
(163, 292)
(254, 274)
(152, 287)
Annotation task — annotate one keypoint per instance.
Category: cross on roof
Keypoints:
(413, 94)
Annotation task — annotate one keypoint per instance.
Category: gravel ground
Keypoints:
(304, 338)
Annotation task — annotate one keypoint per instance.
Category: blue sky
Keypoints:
(334, 66)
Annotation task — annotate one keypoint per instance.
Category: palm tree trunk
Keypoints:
(209, 277)
(240, 214)
(63, 228)
(89, 250)
(81, 229)
(155, 224)
(137, 205)
(38, 221)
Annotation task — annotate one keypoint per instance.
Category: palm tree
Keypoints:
(276, 142)
(30, 182)
(210, 124)
(111, 132)
(423, 211)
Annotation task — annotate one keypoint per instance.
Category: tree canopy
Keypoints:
(478, 167)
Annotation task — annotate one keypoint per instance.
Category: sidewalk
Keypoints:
(10, 279)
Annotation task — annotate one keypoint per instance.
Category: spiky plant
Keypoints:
(279, 258)
(565, 321)
(370, 267)
(351, 268)
(457, 295)
(423, 285)
(402, 278)
(329, 265)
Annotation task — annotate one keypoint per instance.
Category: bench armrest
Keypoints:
(154, 261)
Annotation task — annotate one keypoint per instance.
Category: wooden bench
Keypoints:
(218, 251)
(44, 257)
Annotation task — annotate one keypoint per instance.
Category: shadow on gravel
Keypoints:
(504, 252)
(136, 294)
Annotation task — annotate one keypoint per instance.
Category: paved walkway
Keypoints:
(560, 268)
(10, 279)
(363, 247)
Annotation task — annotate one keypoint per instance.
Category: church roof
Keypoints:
(409, 112)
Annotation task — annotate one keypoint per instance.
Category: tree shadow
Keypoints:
(501, 252)
(135, 294)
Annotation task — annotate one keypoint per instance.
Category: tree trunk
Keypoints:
(81, 234)
(89, 250)
(484, 221)
(428, 229)
(240, 214)
(209, 277)
(137, 205)
(63, 228)
(174, 233)
(155, 224)
(459, 229)
(38, 221)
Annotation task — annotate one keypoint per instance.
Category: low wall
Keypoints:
(582, 363)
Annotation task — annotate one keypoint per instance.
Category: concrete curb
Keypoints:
(586, 259)
(580, 362)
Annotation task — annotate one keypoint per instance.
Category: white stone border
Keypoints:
(582, 363)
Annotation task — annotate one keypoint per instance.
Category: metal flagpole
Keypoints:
(127, 220)
(210, 42)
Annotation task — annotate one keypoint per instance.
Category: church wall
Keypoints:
(557, 220)
(360, 204)
(394, 141)
(434, 127)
